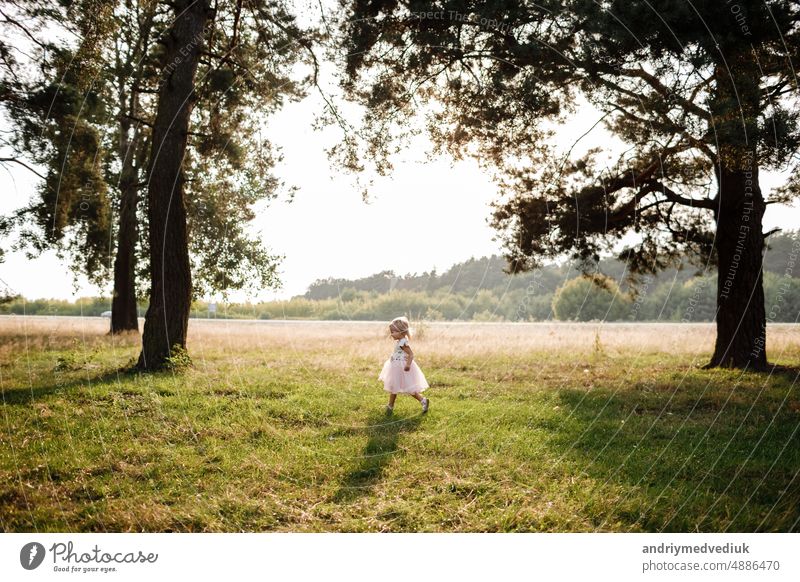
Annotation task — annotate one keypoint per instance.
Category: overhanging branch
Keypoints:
(21, 163)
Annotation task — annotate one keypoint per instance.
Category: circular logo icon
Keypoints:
(31, 555)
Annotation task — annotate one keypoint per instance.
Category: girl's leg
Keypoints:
(422, 400)
(392, 398)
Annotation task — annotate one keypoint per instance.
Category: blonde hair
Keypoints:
(400, 325)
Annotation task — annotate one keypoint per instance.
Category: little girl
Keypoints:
(400, 372)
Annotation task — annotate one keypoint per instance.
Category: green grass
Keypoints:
(294, 439)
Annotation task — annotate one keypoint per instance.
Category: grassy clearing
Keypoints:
(562, 427)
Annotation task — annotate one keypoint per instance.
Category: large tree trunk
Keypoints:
(131, 151)
(123, 306)
(167, 317)
(741, 318)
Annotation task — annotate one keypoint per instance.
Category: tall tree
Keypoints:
(131, 75)
(167, 318)
(700, 95)
(227, 166)
(64, 121)
(244, 56)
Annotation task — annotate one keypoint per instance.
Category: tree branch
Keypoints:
(673, 196)
(24, 29)
(21, 163)
(664, 91)
(137, 119)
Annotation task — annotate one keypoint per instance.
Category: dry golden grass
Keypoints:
(370, 339)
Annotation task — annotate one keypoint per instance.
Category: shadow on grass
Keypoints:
(24, 396)
(384, 433)
(693, 463)
(789, 373)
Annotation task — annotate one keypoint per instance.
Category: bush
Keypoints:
(590, 298)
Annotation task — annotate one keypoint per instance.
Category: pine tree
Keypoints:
(700, 95)
(110, 95)
(235, 58)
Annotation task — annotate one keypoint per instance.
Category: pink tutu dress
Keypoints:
(396, 379)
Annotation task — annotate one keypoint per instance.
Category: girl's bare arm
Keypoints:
(409, 357)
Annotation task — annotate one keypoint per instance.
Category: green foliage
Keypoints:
(587, 299)
(782, 297)
(178, 360)
(85, 307)
(59, 126)
(497, 76)
(224, 253)
(230, 163)
(578, 298)
(85, 118)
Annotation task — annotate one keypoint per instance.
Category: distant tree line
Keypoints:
(479, 290)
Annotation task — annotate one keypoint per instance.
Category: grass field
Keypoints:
(280, 427)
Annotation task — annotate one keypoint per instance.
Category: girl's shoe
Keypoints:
(425, 403)
(389, 410)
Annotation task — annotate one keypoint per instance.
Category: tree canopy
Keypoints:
(700, 97)
(659, 74)
(86, 118)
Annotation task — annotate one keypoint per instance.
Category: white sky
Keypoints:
(328, 230)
